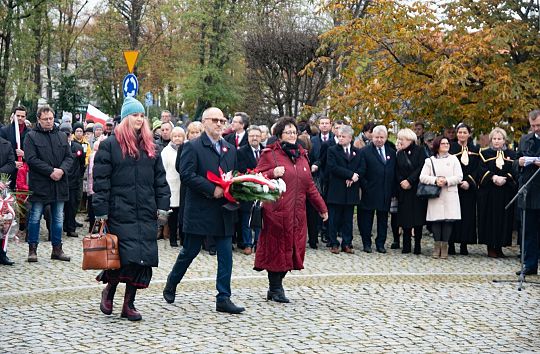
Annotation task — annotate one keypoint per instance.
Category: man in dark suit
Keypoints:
(529, 162)
(239, 124)
(248, 157)
(8, 132)
(343, 187)
(206, 211)
(377, 171)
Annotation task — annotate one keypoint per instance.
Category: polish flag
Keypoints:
(96, 115)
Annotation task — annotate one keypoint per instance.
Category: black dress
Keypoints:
(494, 222)
(464, 230)
(411, 209)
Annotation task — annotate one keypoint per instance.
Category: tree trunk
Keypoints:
(5, 55)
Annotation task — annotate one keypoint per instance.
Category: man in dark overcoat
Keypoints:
(248, 157)
(343, 187)
(48, 156)
(529, 162)
(377, 180)
(206, 210)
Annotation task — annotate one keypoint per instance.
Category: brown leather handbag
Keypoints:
(100, 251)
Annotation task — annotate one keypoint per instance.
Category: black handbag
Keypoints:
(428, 191)
(255, 216)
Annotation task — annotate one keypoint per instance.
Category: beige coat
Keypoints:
(168, 156)
(446, 207)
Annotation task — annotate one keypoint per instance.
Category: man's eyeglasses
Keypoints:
(46, 119)
(218, 120)
(290, 132)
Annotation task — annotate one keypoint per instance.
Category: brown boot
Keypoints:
(58, 254)
(107, 296)
(444, 250)
(492, 252)
(436, 249)
(128, 309)
(32, 252)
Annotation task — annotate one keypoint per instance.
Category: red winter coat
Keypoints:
(282, 242)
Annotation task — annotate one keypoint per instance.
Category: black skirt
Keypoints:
(131, 274)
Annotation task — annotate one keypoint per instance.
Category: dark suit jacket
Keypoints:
(377, 179)
(318, 157)
(527, 148)
(203, 214)
(8, 132)
(340, 169)
(231, 139)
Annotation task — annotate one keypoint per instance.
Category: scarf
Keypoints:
(174, 146)
(292, 150)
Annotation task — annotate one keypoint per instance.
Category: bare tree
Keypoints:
(133, 12)
(70, 26)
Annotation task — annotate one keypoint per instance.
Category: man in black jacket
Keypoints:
(8, 133)
(206, 211)
(238, 137)
(248, 157)
(529, 162)
(343, 189)
(7, 165)
(75, 175)
(48, 156)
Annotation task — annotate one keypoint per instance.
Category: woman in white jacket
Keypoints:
(168, 156)
(443, 211)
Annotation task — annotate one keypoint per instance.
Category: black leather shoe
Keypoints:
(228, 307)
(277, 296)
(6, 261)
(367, 249)
(173, 243)
(313, 245)
(463, 250)
(78, 224)
(169, 293)
(72, 234)
(527, 271)
(394, 246)
(212, 252)
(381, 249)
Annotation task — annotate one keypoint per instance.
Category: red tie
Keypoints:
(325, 138)
(236, 140)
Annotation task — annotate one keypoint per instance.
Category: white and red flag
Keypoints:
(96, 115)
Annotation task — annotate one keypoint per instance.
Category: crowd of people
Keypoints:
(147, 180)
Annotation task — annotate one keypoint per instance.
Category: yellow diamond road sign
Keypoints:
(131, 59)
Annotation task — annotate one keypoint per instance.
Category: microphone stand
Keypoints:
(522, 191)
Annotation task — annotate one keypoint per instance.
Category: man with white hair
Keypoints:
(377, 170)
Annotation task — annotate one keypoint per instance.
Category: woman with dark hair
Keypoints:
(282, 242)
(442, 170)
(132, 194)
(411, 214)
(464, 231)
(497, 186)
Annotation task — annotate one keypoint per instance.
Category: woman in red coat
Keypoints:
(282, 242)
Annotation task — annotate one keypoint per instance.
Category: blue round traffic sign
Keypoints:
(130, 85)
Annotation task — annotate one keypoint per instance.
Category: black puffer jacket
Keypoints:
(44, 151)
(130, 191)
(7, 158)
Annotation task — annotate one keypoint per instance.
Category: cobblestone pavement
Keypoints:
(339, 304)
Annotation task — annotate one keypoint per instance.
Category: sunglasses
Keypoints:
(218, 120)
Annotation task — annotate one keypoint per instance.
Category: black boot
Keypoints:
(4, 258)
(276, 292)
(107, 296)
(417, 245)
(169, 292)
(128, 309)
(463, 249)
(406, 244)
(451, 248)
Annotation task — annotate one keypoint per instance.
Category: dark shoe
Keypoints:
(492, 253)
(107, 296)
(212, 252)
(58, 254)
(128, 309)
(169, 293)
(173, 243)
(72, 234)
(325, 239)
(417, 247)
(451, 248)
(500, 253)
(313, 246)
(78, 224)
(277, 296)
(367, 249)
(348, 249)
(381, 249)
(335, 250)
(527, 271)
(406, 250)
(463, 249)
(4, 259)
(229, 307)
(32, 252)
(394, 245)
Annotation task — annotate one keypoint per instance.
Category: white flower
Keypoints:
(265, 188)
(281, 185)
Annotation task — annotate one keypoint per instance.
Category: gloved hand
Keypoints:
(163, 216)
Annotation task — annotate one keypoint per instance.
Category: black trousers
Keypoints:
(312, 224)
(173, 224)
(70, 210)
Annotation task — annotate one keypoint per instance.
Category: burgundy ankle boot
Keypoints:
(107, 296)
(128, 309)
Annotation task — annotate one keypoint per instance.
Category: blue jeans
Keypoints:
(340, 218)
(532, 235)
(190, 250)
(57, 219)
(246, 230)
(365, 224)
